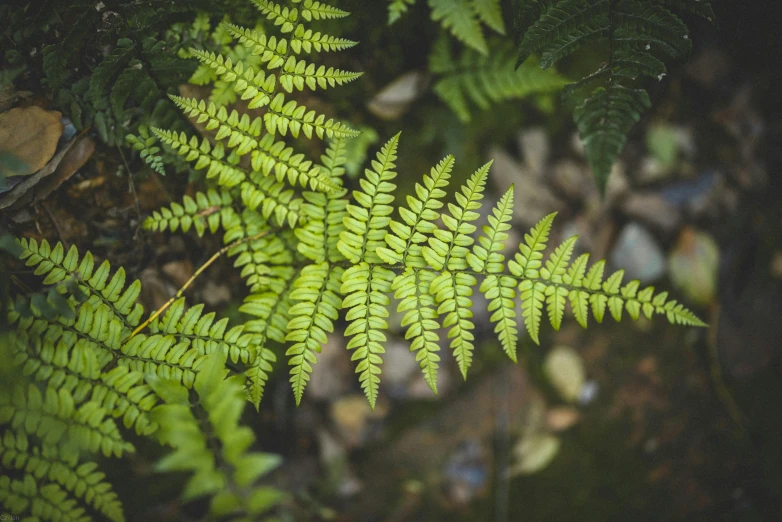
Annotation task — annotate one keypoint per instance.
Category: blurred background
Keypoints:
(630, 421)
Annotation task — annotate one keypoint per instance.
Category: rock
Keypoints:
(399, 366)
(334, 458)
(562, 418)
(532, 198)
(534, 453)
(216, 294)
(574, 180)
(535, 149)
(565, 369)
(333, 374)
(653, 210)
(393, 100)
(693, 264)
(352, 417)
(637, 252)
(617, 186)
(179, 272)
(467, 472)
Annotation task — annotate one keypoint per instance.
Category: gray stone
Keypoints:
(638, 252)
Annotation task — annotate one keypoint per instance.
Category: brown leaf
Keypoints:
(31, 135)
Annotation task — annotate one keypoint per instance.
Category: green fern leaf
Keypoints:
(316, 294)
(484, 81)
(490, 13)
(406, 238)
(500, 291)
(458, 16)
(603, 121)
(366, 222)
(366, 289)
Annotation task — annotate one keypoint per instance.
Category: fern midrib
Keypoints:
(519, 279)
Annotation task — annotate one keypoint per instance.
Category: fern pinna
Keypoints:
(86, 377)
(639, 33)
(464, 19)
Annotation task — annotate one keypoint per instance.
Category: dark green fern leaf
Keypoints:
(638, 34)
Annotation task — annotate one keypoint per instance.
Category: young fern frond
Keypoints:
(145, 145)
(637, 32)
(483, 80)
(197, 421)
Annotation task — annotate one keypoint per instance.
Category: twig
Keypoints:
(56, 225)
(197, 273)
(132, 189)
(718, 381)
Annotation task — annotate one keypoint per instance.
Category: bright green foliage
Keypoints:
(345, 249)
(202, 425)
(208, 211)
(316, 298)
(500, 290)
(439, 273)
(462, 18)
(85, 379)
(485, 80)
(638, 34)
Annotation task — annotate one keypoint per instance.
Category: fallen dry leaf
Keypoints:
(31, 135)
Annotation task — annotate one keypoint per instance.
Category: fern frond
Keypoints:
(603, 121)
(563, 28)
(44, 501)
(485, 80)
(79, 352)
(298, 74)
(420, 317)
(368, 219)
(366, 288)
(307, 40)
(278, 157)
(258, 374)
(145, 145)
(208, 211)
(490, 13)
(316, 297)
(406, 238)
(208, 441)
(204, 156)
(283, 117)
(315, 10)
(636, 32)
(459, 17)
(241, 132)
(53, 417)
(499, 290)
(83, 481)
(56, 265)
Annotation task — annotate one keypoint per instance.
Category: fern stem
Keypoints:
(197, 273)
